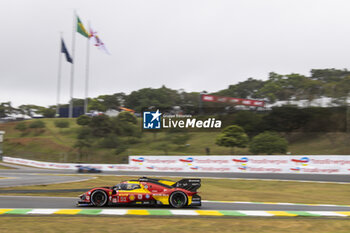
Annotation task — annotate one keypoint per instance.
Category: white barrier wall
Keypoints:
(72, 166)
(313, 164)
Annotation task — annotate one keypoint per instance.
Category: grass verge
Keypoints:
(227, 190)
(156, 224)
(5, 167)
(57, 145)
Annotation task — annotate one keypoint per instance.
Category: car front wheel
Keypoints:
(99, 198)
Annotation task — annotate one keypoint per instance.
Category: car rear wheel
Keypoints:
(178, 199)
(99, 198)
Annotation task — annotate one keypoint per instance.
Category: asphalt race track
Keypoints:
(69, 202)
(32, 176)
(13, 179)
(25, 171)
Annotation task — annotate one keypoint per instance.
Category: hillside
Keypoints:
(54, 144)
(323, 87)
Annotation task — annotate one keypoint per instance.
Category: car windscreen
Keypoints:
(126, 186)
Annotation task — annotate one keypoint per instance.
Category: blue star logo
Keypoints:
(152, 120)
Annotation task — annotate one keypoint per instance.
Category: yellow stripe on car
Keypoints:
(189, 200)
(167, 182)
(160, 197)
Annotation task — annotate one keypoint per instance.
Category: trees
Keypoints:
(100, 125)
(162, 98)
(232, 136)
(286, 119)
(268, 143)
(37, 124)
(49, 112)
(125, 124)
(83, 147)
(31, 110)
(5, 108)
(250, 121)
(62, 124)
(22, 126)
(322, 82)
(83, 120)
(107, 132)
(245, 89)
(105, 102)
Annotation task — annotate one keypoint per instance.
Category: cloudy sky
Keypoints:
(190, 44)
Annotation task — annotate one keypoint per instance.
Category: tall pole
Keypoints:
(347, 114)
(59, 78)
(87, 73)
(200, 103)
(72, 66)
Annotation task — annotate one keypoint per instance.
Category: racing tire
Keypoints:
(99, 198)
(178, 199)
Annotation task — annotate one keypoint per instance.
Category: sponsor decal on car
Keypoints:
(131, 197)
(160, 194)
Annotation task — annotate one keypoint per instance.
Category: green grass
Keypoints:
(5, 167)
(56, 144)
(229, 190)
(318, 144)
(165, 224)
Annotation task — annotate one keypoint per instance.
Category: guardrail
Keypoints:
(313, 164)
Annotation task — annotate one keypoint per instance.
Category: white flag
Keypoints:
(97, 41)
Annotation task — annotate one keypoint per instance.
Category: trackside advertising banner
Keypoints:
(315, 164)
(70, 166)
(323, 164)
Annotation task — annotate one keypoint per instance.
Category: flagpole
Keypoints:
(59, 77)
(87, 72)
(72, 66)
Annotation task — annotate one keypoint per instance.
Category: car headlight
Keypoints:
(83, 197)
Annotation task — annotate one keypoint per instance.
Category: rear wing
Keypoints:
(188, 184)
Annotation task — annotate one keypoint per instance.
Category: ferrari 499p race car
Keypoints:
(145, 191)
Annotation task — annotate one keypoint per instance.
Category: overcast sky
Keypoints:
(195, 45)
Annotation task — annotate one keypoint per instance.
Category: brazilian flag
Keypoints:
(81, 29)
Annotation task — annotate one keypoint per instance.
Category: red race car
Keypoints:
(145, 191)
